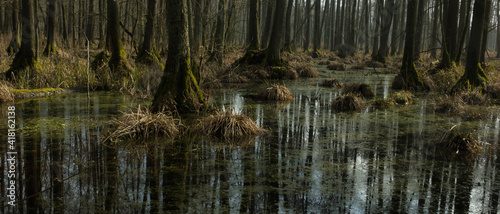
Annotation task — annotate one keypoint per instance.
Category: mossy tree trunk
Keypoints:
(118, 61)
(147, 54)
(450, 16)
(408, 77)
(26, 55)
(383, 50)
(273, 55)
(50, 48)
(474, 75)
(178, 88)
(253, 26)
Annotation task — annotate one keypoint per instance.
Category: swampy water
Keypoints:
(313, 160)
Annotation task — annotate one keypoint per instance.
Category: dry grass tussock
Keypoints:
(297, 56)
(228, 126)
(143, 124)
(457, 144)
(362, 89)
(348, 103)
(304, 69)
(442, 80)
(457, 105)
(337, 66)
(276, 92)
(332, 83)
(401, 97)
(6, 94)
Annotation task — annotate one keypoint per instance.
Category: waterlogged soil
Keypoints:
(314, 160)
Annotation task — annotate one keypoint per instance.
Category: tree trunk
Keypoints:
(118, 61)
(474, 75)
(14, 44)
(26, 55)
(63, 22)
(89, 32)
(268, 24)
(463, 29)
(498, 32)
(51, 19)
(450, 9)
(273, 56)
(351, 39)
(402, 27)
(288, 26)
(317, 27)
(197, 27)
(366, 14)
(486, 27)
(408, 77)
(147, 54)
(178, 89)
(383, 51)
(253, 26)
(325, 24)
(378, 16)
(420, 28)
(434, 34)
(219, 32)
(395, 28)
(307, 31)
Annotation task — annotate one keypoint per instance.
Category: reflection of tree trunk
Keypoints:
(111, 163)
(175, 159)
(151, 185)
(56, 176)
(32, 173)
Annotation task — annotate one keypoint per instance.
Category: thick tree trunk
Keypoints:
(147, 54)
(317, 28)
(474, 75)
(351, 39)
(197, 27)
(366, 14)
(408, 77)
(273, 56)
(378, 16)
(253, 26)
(325, 24)
(395, 37)
(89, 32)
(434, 34)
(118, 61)
(402, 27)
(307, 31)
(26, 55)
(268, 24)
(383, 51)
(50, 48)
(178, 89)
(463, 29)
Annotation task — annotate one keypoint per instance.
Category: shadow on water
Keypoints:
(314, 160)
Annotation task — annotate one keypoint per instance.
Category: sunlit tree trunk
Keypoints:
(178, 89)
(26, 55)
(474, 75)
(50, 48)
(408, 77)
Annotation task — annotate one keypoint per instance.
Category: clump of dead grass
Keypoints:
(324, 62)
(348, 103)
(474, 97)
(455, 143)
(401, 97)
(494, 90)
(361, 89)
(359, 66)
(375, 64)
(332, 83)
(228, 126)
(337, 66)
(276, 92)
(306, 70)
(143, 124)
(6, 94)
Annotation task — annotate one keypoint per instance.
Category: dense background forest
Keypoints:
(59, 36)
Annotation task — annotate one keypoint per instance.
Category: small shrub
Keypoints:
(276, 93)
(332, 83)
(336, 66)
(225, 125)
(348, 103)
(361, 89)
